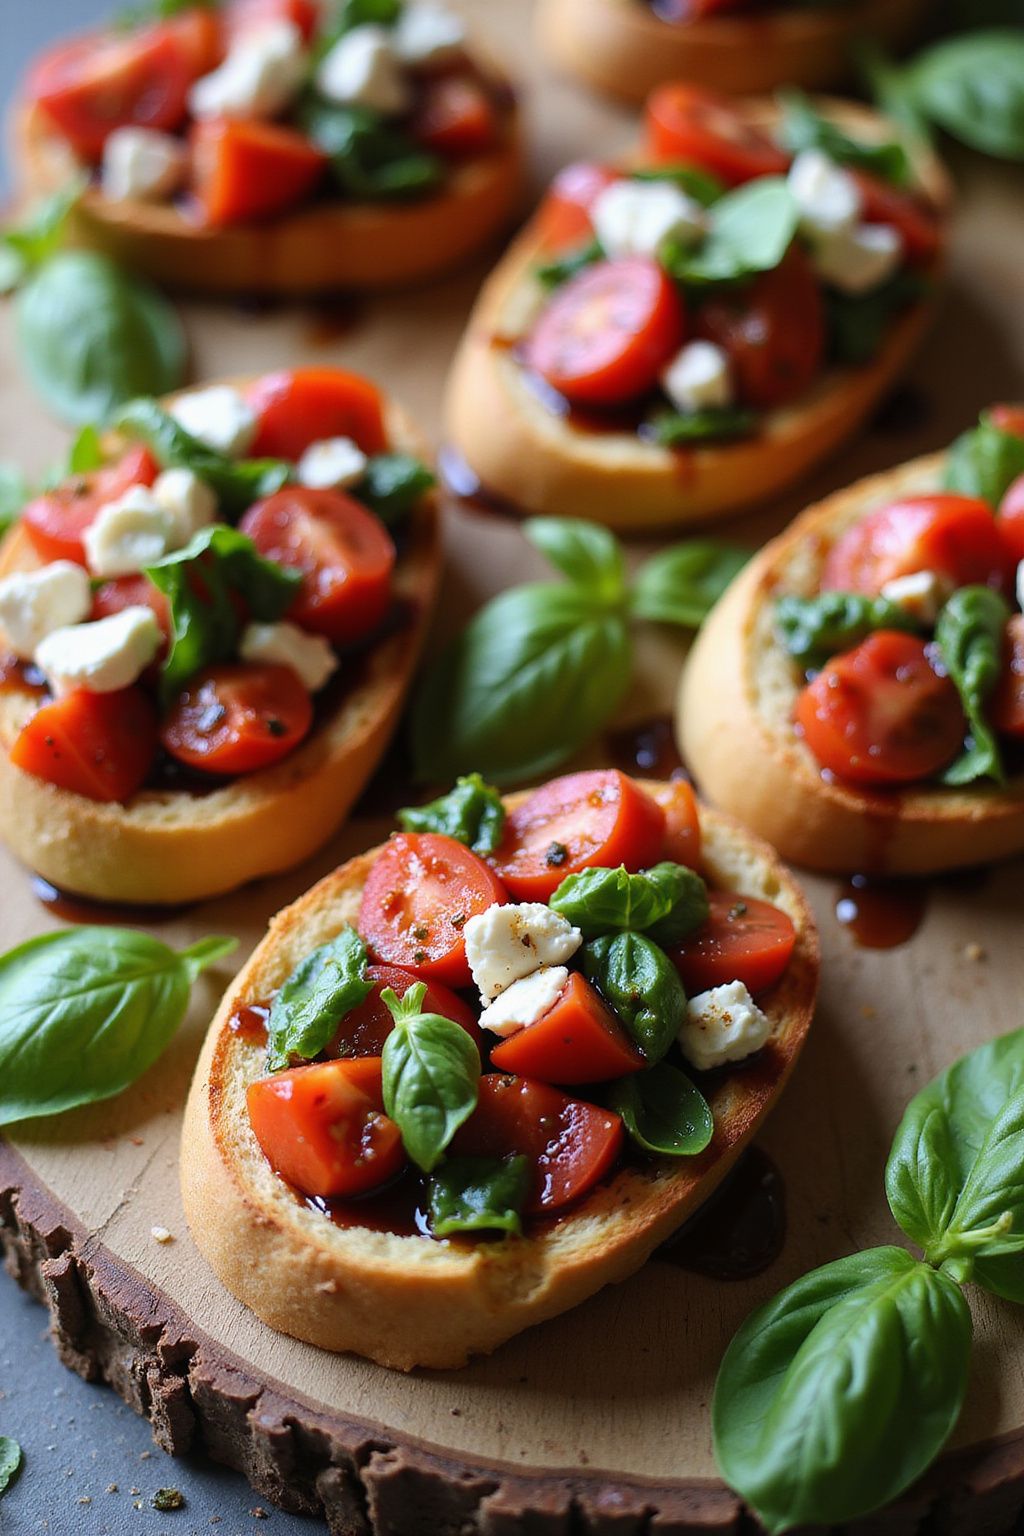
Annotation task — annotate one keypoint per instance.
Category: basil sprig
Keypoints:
(320, 991)
(973, 87)
(478, 1194)
(641, 985)
(803, 127)
(984, 461)
(814, 628)
(542, 667)
(369, 157)
(750, 230)
(472, 813)
(431, 1073)
(84, 1012)
(392, 485)
(10, 1461)
(969, 636)
(553, 273)
(663, 1111)
(237, 483)
(667, 901)
(674, 429)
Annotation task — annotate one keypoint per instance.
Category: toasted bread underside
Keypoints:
(168, 846)
(540, 462)
(323, 248)
(734, 723)
(410, 1301)
(621, 47)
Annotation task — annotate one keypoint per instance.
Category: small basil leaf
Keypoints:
(814, 628)
(370, 158)
(837, 1394)
(392, 486)
(84, 1012)
(478, 1194)
(685, 898)
(696, 183)
(675, 429)
(361, 13)
(663, 1112)
(669, 898)
(684, 582)
(237, 483)
(802, 127)
(472, 813)
(86, 452)
(135, 16)
(751, 230)
(10, 1462)
(14, 493)
(92, 336)
(859, 323)
(969, 636)
(974, 88)
(591, 556)
(985, 462)
(39, 236)
(559, 270)
(321, 990)
(535, 673)
(431, 1071)
(641, 985)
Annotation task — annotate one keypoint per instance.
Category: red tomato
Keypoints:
(91, 85)
(131, 592)
(563, 219)
(773, 330)
(244, 15)
(743, 940)
(100, 745)
(323, 1127)
(579, 1040)
(1008, 418)
(955, 536)
(698, 127)
(237, 718)
(418, 896)
(574, 822)
(607, 333)
(698, 10)
(244, 170)
(200, 36)
(305, 405)
(682, 823)
(56, 521)
(881, 713)
(1011, 519)
(362, 1032)
(1008, 701)
(917, 221)
(455, 118)
(571, 1144)
(345, 554)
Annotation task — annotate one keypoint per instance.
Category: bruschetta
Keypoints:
(627, 47)
(207, 630)
(252, 147)
(677, 338)
(377, 1160)
(857, 696)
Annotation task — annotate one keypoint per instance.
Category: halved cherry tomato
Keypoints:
(345, 554)
(243, 15)
(581, 819)
(131, 592)
(563, 219)
(698, 127)
(579, 1040)
(773, 330)
(91, 85)
(420, 893)
(56, 521)
(1008, 700)
(608, 332)
(100, 745)
(300, 406)
(363, 1031)
(323, 1127)
(1011, 519)
(237, 718)
(882, 713)
(954, 536)
(200, 35)
(244, 170)
(682, 823)
(743, 940)
(572, 1145)
(455, 118)
(1008, 418)
(916, 220)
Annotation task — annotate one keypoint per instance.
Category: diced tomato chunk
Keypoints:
(131, 592)
(773, 330)
(579, 1040)
(300, 406)
(563, 219)
(682, 822)
(363, 1031)
(237, 717)
(743, 940)
(1011, 520)
(56, 521)
(456, 118)
(954, 536)
(99, 745)
(693, 126)
(244, 171)
(245, 15)
(1008, 418)
(916, 220)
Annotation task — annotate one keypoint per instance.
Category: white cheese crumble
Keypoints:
(220, 417)
(921, 594)
(331, 464)
(130, 533)
(161, 1235)
(525, 1001)
(259, 78)
(428, 34)
(103, 656)
(699, 377)
(857, 260)
(141, 163)
(364, 70)
(721, 1025)
(286, 645)
(508, 942)
(35, 603)
(827, 196)
(189, 500)
(635, 218)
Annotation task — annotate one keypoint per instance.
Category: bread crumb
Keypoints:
(975, 951)
(326, 1287)
(161, 1235)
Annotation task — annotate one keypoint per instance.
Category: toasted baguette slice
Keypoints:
(410, 1301)
(166, 846)
(539, 462)
(327, 246)
(623, 47)
(735, 711)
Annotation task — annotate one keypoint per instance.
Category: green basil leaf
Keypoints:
(985, 462)
(472, 813)
(859, 323)
(478, 1194)
(14, 493)
(361, 13)
(320, 991)
(802, 127)
(974, 88)
(641, 985)
(668, 901)
(835, 1396)
(591, 556)
(84, 1012)
(12, 270)
(392, 486)
(686, 897)
(370, 158)
(39, 235)
(699, 184)
(531, 679)
(205, 620)
(237, 483)
(814, 628)
(561, 268)
(136, 16)
(969, 636)
(10, 1462)
(91, 336)
(683, 583)
(86, 452)
(663, 1111)
(431, 1072)
(675, 429)
(751, 230)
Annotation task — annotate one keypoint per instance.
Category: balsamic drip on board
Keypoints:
(647, 747)
(72, 908)
(740, 1231)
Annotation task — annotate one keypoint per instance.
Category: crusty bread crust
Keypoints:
(621, 47)
(323, 248)
(166, 846)
(734, 726)
(540, 462)
(409, 1301)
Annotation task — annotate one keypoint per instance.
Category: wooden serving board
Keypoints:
(597, 1422)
